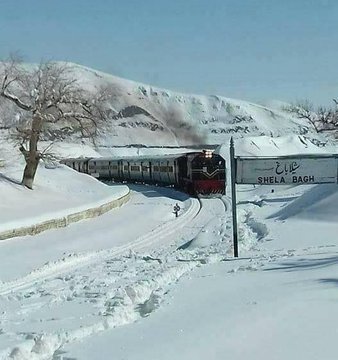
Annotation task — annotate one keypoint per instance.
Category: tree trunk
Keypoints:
(29, 172)
(32, 156)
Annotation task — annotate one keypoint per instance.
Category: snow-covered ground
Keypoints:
(138, 283)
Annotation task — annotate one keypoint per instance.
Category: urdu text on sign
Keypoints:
(286, 170)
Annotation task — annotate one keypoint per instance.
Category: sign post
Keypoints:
(298, 169)
(233, 197)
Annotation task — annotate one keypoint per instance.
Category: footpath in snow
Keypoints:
(277, 301)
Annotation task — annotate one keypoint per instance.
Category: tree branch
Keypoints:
(16, 101)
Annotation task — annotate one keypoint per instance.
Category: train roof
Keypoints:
(138, 157)
(143, 157)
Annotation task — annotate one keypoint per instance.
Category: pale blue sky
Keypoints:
(249, 49)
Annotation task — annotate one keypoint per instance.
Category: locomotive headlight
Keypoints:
(208, 154)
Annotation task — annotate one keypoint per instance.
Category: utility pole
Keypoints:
(233, 197)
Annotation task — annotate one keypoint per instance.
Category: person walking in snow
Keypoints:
(176, 209)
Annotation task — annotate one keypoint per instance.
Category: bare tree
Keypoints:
(322, 118)
(46, 96)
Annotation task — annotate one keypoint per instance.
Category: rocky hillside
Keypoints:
(146, 115)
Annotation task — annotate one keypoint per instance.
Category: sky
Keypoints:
(249, 49)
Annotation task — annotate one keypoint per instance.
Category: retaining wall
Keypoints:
(65, 220)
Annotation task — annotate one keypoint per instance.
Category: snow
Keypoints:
(168, 118)
(139, 283)
(59, 187)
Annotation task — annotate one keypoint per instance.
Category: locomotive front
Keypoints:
(208, 173)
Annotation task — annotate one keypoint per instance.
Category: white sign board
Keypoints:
(287, 170)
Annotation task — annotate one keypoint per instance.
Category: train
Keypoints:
(196, 173)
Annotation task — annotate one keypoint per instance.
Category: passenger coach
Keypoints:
(195, 173)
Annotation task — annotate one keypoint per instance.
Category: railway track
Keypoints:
(69, 263)
(117, 284)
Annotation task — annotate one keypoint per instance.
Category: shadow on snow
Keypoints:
(305, 264)
(10, 180)
(318, 202)
(330, 281)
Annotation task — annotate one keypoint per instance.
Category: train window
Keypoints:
(163, 169)
(135, 168)
(170, 169)
(114, 167)
(145, 168)
(156, 168)
(125, 167)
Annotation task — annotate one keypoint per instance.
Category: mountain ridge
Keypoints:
(148, 115)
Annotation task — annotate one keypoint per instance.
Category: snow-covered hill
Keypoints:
(146, 115)
(153, 116)
(143, 116)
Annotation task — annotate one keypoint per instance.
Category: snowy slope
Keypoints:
(143, 114)
(149, 115)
